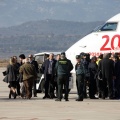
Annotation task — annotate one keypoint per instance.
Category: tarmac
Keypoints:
(49, 109)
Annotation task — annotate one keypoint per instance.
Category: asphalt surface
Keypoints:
(49, 109)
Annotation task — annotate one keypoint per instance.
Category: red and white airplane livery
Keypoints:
(104, 39)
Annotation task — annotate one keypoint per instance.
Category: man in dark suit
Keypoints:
(49, 75)
(117, 75)
(33, 62)
(106, 65)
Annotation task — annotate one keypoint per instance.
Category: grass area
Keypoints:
(4, 63)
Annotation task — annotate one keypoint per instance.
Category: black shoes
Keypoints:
(46, 97)
(50, 97)
(79, 99)
(13, 94)
(10, 95)
(66, 100)
(93, 97)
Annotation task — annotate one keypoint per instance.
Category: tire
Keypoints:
(42, 86)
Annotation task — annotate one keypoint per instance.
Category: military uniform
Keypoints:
(29, 74)
(63, 68)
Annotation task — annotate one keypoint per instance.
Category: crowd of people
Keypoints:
(21, 76)
(98, 77)
(100, 74)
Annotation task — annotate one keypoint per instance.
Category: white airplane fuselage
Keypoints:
(105, 40)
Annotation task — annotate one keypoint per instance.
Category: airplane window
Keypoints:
(109, 27)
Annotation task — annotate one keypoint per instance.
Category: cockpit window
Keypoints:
(109, 27)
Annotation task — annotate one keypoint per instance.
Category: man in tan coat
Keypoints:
(29, 74)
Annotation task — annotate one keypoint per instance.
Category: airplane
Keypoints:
(104, 39)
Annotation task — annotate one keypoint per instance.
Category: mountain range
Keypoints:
(44, 35)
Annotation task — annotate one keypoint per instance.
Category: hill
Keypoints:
(44, 35)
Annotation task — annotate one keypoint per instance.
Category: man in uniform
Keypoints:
(29, 75)
(33, 62)
(63, 68)
(20, 77)
(80, 74)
